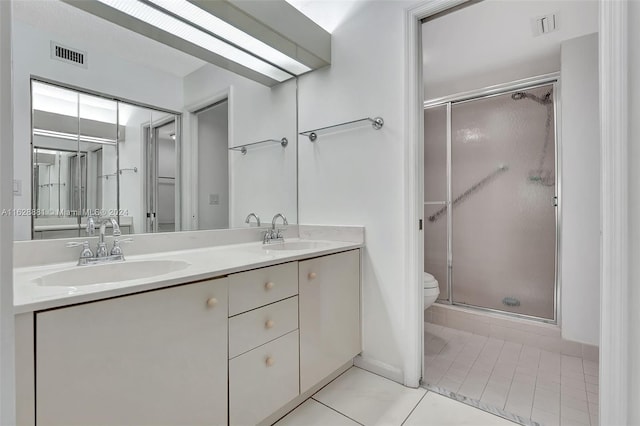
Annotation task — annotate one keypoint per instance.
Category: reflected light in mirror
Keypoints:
(193, 35)
(212, 23)
(73, 137)
(49, 98)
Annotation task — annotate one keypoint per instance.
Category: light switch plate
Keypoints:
(17, 188)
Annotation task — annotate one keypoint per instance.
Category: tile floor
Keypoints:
(358, 397)
(545, 387)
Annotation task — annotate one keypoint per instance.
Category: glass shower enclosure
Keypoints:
(491, 199)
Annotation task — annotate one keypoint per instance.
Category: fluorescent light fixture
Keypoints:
(178, 28)
(217, 26)
(72, 137)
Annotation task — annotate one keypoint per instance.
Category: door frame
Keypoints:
(414, 185)
(148, 137)
(191, 152)
(614, 139)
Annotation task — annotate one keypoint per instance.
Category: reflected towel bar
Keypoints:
(243, 148)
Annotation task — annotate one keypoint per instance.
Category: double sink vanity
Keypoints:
(213, 327)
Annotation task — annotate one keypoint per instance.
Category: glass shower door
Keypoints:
(435, 197)
(504, 201)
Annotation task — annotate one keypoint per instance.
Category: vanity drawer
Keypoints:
(263, 380)
(257, 327)
(252, 289)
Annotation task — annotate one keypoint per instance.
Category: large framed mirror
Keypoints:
(158, 139)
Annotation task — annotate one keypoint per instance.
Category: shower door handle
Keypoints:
(555, 201)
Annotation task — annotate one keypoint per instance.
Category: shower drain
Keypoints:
(510, 301)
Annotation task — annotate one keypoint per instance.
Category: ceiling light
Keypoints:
(220, 28)
(191, 34)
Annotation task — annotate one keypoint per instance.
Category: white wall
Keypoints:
(106, 74)
(213, 167)
(492, 42)
(7, 343)
(580, 143)
(264, 180)
(634, 212)
(356, 177)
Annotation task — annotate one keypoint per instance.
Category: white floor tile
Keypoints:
(312, 413)
(545, 418)
(370, 399)
(530, 382)
(438, 410)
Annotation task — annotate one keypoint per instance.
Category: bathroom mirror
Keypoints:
(111, 123)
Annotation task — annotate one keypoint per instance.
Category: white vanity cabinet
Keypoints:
(237, 350)
(154, 358)
(329, 315)
(263, 342)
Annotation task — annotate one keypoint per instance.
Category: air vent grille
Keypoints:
(68, 55)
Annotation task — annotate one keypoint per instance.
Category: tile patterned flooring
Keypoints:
(546, 387)
(359, 397)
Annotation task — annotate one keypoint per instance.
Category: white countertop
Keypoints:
(204, 263)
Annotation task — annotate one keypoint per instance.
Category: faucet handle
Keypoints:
(91, 226)
(86, 251)
(116, 249)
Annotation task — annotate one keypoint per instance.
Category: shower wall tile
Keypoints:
(551, 344)
(591, 353)
(428, 317)
(571, 348)
(439, 318)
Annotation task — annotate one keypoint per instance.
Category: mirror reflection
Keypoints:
(87, 154)
(158, 139)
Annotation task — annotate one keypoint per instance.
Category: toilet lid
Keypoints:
(429, 281)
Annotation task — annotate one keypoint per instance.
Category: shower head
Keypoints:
(546, 100)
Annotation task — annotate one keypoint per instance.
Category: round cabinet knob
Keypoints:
(211, 302)
(269, 285)
(269, 361)
(269, 324)
(312, 275)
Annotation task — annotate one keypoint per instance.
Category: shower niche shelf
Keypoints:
(376, 123)
(244, 148)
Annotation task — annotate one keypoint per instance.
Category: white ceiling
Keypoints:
(100, 35)
(496, 35)
(329, 14)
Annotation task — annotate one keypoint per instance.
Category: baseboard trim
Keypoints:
(380, 368)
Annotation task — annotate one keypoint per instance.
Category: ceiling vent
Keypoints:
(544, 24)
(68, 55)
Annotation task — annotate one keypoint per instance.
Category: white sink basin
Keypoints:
(111, 272)
(295, 245)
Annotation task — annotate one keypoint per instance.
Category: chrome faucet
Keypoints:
(102, 255)
(248, 219)
(102, 246)
(274, 235)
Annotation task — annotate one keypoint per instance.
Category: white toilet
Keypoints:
(431, 290)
